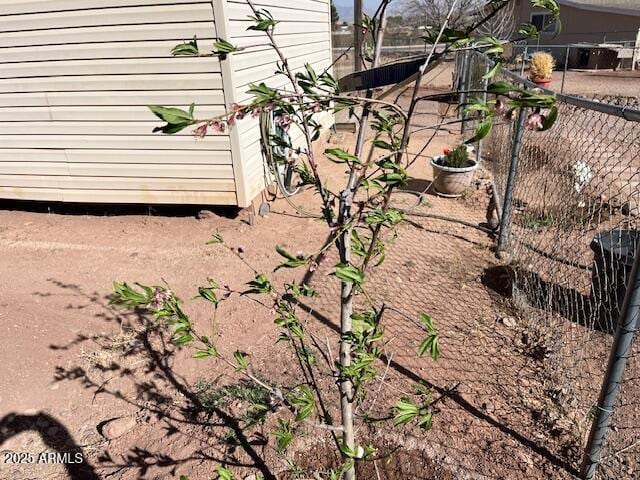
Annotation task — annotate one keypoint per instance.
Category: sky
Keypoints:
(343, 6)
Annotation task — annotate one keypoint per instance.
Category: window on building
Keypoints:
(544, 21)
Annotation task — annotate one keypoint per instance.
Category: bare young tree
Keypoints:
(430, 13)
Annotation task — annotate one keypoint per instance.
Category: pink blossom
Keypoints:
(300, 255)
(255, 113)
(239, 111)
(232, 119)
(284, 121)
(315, 107)
(200, 131)
(218, 126)
(160, 297)
(269, 106)
(535, 121)
(313, 266)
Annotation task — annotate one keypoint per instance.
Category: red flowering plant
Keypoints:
(358, 229)
(457, 157)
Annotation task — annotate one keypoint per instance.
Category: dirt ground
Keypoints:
(589, 83)
(72, 362)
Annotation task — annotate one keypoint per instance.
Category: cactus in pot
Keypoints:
(541, 68)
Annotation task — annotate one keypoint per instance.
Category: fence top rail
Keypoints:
(628, 113)
(595, 46)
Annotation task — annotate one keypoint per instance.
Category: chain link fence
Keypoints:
(574, 226)
(586, 69)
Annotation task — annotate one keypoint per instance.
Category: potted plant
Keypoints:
(541, 68)
(453, 171)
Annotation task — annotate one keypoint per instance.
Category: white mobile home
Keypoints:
(76, 76)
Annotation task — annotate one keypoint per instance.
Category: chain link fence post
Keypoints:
(485, 84)
(511, 180)
(524, 60)
(464, 86)
(620, 351)
(566, 67)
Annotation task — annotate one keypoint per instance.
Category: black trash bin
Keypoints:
(613, 254)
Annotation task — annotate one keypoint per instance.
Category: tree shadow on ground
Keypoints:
(155, 388)
(55, 435)
(528, 287)
(446, 393)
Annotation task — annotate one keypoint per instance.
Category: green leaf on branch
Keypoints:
(431, 344)
(302, 290)
(490, 45)
(260, 284)
(224, 473)
(129, 297)
(482, 130)
(502, 88)
(550, 119)
(349, 274)
(394, 174)
(492, 73)
(176, 118)
(283, 434)
(183, 339)
(216, 238)
(389, 218)
(476, 104)
(292, 261)
(357, 245)
(262, 92)
(458, 38)
(302, 399)
(338, 155)
(288, 319)
(307, 79)
(263, 21)
(222, 48)
(551, 5)
(208, 293)
(241, 361)
(528, 30)
(383, 145)
(406, 411)
(186, 49)
(205, 353)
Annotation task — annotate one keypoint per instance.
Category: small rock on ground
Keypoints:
(118, 427)
(509, 322)
(205, 215)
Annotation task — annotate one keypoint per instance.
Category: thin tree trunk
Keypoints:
(346, 386)
(346, 293)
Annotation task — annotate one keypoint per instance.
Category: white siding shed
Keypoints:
(76, 77)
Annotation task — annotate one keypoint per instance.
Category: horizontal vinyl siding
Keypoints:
(75, 80)
(139, 99)
(96, 113)
(303, 35)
